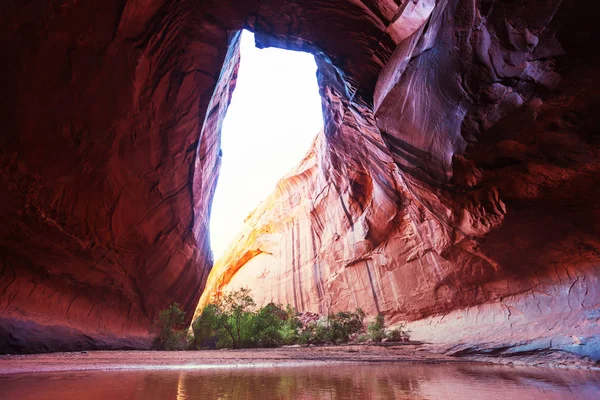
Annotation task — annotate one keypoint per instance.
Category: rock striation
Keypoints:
(455, 183)
(111, 113)
(461, 198)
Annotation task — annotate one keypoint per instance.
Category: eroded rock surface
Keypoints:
(108, 162)
(462, 199)
(457, 170)
(109, 149)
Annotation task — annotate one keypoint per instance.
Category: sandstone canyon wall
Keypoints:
(109, 150)
(108, 160)
(462, 199)
(455, 181)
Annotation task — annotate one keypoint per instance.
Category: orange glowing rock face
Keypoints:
(264, 229)
(455, 184)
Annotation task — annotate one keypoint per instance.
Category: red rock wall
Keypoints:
(107, 166)
(110, 112)
(462, 199)
(455, 169)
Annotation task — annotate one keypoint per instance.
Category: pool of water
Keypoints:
(370, 381)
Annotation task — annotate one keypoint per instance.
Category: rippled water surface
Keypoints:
(379, 381)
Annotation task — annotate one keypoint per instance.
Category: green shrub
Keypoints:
(363, 337)
(289, 335)
(170, 329)
(291, 325)
(232, 322)
(399, 334)
(313, 333)
(223, 323)
(267, 337)
(376, 329)
(321, 334)
(264, 327)
(344, 324)
(394, 335)
(208, 329)
(336, 329)
(304, 337)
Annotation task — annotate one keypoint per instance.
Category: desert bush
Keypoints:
(399, 334)
(335, 328)
(321, 334)
(313, 333)
(170, 329)
(224, 323)
(232, 322)
(376, 329)
(291, 325)
(264, 328)
(208, 329)
(363, 337)
(344, 324)
(304, 337)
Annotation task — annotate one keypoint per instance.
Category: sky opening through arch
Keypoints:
(274, 115)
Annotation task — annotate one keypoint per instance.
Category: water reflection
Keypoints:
(380, 381)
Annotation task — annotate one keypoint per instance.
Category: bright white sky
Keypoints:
(274, 116)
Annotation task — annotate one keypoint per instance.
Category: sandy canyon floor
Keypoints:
(248, 358)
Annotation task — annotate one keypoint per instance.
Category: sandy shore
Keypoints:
(246, 358)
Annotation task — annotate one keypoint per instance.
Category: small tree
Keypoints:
(289, 329)
(208, 329)
(170, 328)
(264, 327)
(376, 328)
(233, 309)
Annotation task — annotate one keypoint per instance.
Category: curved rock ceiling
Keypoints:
(455, 183)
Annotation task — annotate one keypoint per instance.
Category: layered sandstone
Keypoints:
(456, 170)
(107, 166)
(109, 150)
(463, 199)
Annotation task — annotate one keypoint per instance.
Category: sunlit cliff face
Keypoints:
(274, 115)
(442, 201)
(454, 185)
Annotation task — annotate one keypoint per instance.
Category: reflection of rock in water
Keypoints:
(373, 381)
(344, 382)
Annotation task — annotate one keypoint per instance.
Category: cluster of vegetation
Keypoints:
(234, 321)
(170, 329)
(337, 328)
